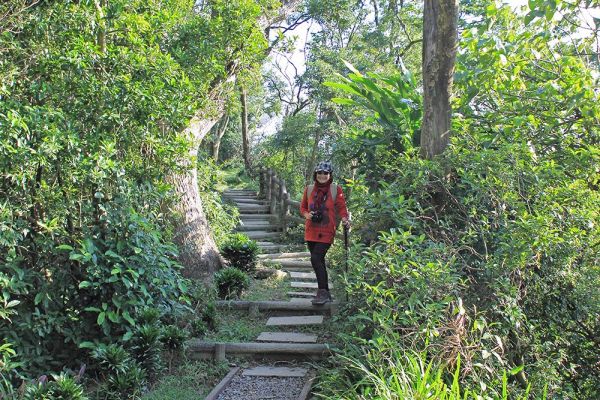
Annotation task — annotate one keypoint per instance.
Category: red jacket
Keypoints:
(323, 231)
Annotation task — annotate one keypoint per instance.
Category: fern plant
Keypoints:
(231, 282)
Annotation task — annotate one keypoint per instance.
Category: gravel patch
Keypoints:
(262, 388)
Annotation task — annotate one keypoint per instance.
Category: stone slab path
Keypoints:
(287, 337)
(295, 320)
(271, 381)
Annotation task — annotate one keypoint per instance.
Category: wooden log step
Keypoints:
(271, 305)
(286, 337)
(283, 372)
(199, 349)
(302, 254)
(295, 320)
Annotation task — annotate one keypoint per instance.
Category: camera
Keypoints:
(317, 216)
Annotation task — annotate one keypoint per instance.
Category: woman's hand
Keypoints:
(308, 215)
(346, 222)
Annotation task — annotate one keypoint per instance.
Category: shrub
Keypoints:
(173, 337)
(124, 378)
(241, 252)
(231, 282)
(209, 314)
(62, 388)
(199, 327)
(146, 348)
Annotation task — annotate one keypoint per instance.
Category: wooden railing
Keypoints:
(273, 190)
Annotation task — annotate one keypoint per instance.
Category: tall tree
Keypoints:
(440, 31)
(245, 140)
(198, 251)
(219, 133)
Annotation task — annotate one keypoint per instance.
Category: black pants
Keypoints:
(317, 259)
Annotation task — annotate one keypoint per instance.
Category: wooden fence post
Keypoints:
(281, 202)
(268, 182)
(261, 183)
(274, 195)
(285, 209)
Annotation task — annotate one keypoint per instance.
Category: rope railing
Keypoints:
(274, 191)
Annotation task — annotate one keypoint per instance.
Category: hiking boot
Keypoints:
(322, 297)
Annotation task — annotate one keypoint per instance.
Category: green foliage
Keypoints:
(190, 381)
(395, 374)
(489, 252)
(92, 105)
(146, 348)
(199, 327)
(63, 387)
(123, 377)
(395, 104)
(173, 337)
(230, 282)
(240, 251)
(222, 217)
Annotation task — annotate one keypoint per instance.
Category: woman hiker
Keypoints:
(320, 204)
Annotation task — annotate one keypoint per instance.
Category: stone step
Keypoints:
(302, 275)
(253, 209)
(256, 235)
(266, 226)
(274, 256)
(307, 285)
(302, 294)
(284, 372)
(290, 263)
(266, 217)
(249, 201)
(301, 300)
(286, 337)
(295, 320)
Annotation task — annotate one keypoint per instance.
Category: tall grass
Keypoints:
(399, 375)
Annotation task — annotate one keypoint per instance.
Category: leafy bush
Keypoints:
(222, 217)
(241, 252)
(230, 282)
(199, 327)
(122, 376)
(173, 337)
(145, 348)
(63, 387)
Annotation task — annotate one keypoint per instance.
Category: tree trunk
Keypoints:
(245, 141)
(440, 19)
(218, 136)
(101, 22)
(197, 250)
